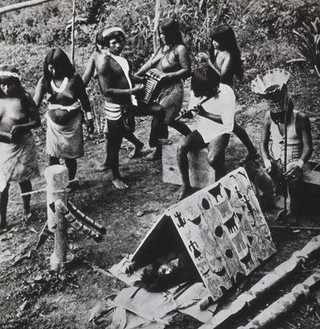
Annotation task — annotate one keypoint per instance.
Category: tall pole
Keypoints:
(156, 25)
(72, 31)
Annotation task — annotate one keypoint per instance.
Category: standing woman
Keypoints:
(225, 58)
(172, 60)
(65, 95)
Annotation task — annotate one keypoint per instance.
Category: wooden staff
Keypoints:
(21, 5)
(282, 216)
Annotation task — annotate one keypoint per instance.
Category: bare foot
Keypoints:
(155, 155)
(184, 192)
(119, 184)
(135, 153)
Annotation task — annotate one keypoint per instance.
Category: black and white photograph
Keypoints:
(159, 164)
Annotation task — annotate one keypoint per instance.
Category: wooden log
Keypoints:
(57, 179)
(89, 221)
(21, 5)
(267, 283)
(284, 304)
(72, 220)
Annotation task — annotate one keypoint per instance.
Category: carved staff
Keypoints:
(102, 230)
(269, 281)
(57, 179)
(72, 220)
(284, 304)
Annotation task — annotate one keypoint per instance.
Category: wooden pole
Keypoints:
(21, 5)
(244, 301)
(156, 24)
(72, 31)
(284, 304)
(57, 179)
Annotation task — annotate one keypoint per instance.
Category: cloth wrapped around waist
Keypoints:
(65, 141)
(18, 161)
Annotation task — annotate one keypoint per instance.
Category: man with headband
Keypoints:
(114, 78)
(286, 144)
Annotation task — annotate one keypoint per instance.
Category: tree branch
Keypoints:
(21, 5)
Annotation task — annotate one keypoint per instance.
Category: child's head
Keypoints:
(205, 82)
(112, 33)
(225, 37)
(169, 32)
(10, 81)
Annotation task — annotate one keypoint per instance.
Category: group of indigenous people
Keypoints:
(212, 101)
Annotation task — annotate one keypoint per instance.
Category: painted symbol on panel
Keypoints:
(216, 192)
(222, 270)
(231, 225)
(205, 273)
(247, 259)
(228, 192)
(195, 221)
(182, 221)
(205, 204)
(193, 247)
(249, 206)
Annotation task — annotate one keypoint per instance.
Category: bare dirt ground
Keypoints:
(31, 296)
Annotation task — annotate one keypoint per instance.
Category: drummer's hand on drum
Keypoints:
(137, 88)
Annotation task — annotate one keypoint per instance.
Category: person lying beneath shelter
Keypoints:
(165, 272)
(18, 160)
(286, 145)
(215, 107)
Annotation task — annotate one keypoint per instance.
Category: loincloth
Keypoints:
(65, 141)
(171, 98)
(18, 162)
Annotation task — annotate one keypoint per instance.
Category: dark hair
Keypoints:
(226, 38)
(99, 41)
(58, 58)
(170, 28)
(118, 35)
(204, 80)
(11, 79)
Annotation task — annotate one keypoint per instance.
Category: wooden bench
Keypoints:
(200, 173)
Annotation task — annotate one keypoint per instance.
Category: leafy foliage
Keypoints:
(309, 43)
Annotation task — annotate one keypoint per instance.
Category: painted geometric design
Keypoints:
(224, 231)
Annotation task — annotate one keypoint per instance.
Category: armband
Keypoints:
(89, 115)
(300, 163)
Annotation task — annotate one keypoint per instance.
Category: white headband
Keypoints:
(9, 74)
(111, 30)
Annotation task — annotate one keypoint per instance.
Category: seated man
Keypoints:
(285, 159)
(216, 108)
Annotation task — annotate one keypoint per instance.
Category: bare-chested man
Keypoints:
(114, 79)
(18, 160)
